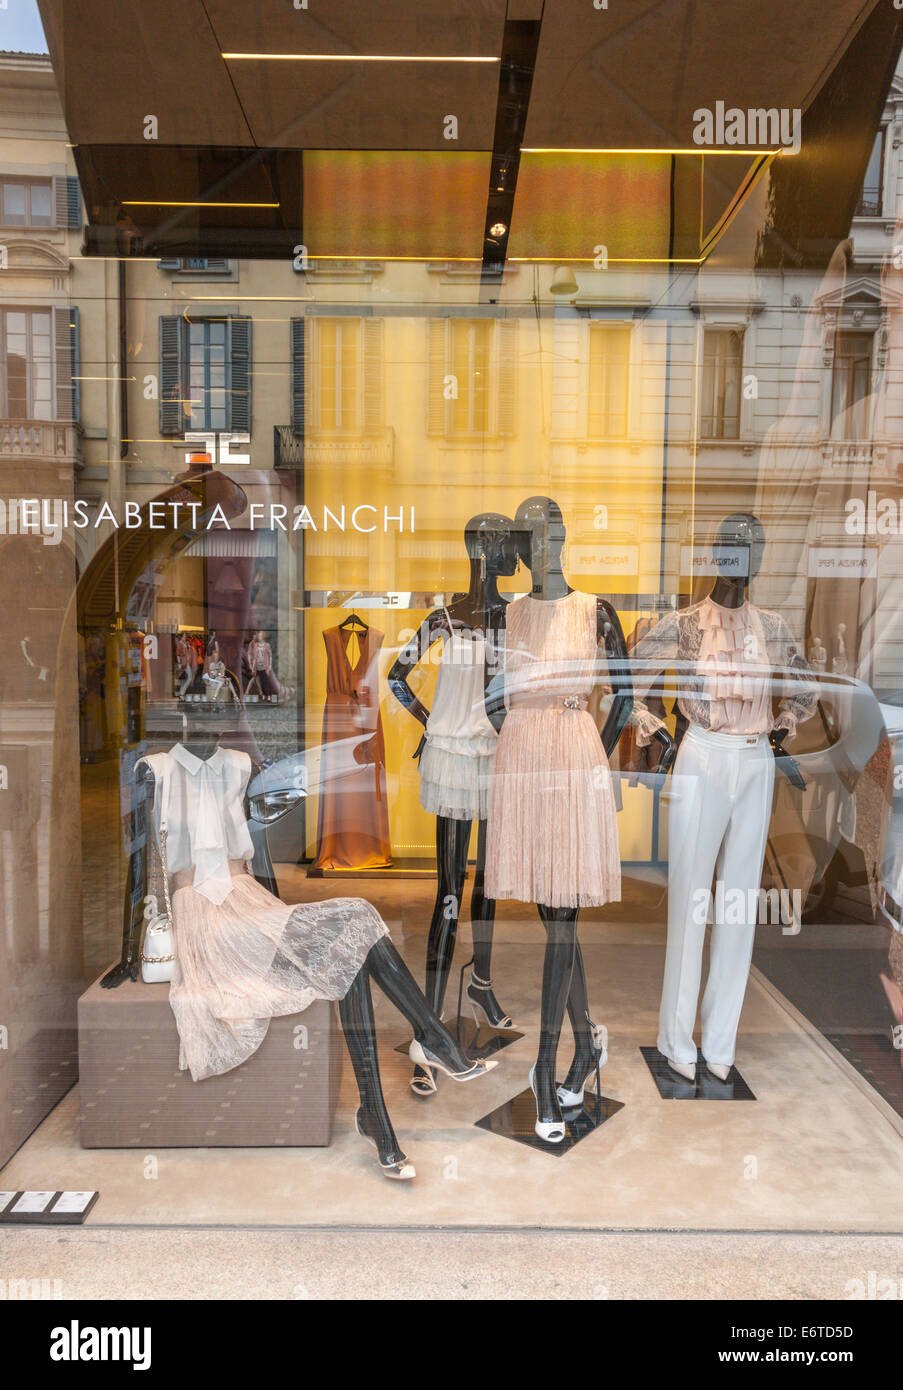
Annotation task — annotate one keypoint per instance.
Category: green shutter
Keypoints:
(172, 411)
(65, 337)
(67, 202)
(299, 373)
(240, 374)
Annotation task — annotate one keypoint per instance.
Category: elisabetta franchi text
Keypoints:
(49, 517)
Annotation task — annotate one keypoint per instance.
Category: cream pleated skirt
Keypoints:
(552, 835)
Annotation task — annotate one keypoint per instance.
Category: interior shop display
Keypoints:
(216, 677)
(732, 659)
(353, 812)
(242, 955)
(552, 836)
(262, 682)
(456, 755)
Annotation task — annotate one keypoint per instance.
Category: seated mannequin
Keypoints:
(242, 956)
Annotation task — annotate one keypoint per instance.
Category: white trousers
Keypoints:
(720, 808)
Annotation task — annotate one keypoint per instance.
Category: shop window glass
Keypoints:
(850, 385)
(28, 364)
(26, 203)
(471, 350)
(339, 375)
(870, 202)
(720, 397)
(207, 374)
(609, 360)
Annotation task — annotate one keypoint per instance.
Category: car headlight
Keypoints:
(269, 806)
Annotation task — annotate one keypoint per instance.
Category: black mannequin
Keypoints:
(744, 532)
(492, 552)
(540, 537)
(203, 727)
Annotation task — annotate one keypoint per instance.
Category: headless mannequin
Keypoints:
(383, 964)
(540, 538)
(744, 533)
(492, 552)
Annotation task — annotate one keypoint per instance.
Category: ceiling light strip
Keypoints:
(691, 149)
(355, 58)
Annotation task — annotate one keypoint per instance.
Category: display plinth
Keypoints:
(516, 1119)
(705, 1087)
(132, 1094)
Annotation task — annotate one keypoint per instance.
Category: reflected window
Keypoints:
(26, 203)
(338, 366)
(609, 362)
(870, 201)
(720, 397)
(850, 385)
(207, 374)
(471, 352)
(27, 377)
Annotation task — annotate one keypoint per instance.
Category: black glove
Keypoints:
(789, 766)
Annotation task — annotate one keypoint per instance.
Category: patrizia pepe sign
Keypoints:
(50, 517)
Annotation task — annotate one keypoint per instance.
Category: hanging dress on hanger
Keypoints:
(552, 833)
(353, 814)
(242, 956)
(456, 763)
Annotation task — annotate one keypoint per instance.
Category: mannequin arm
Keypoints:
(419, 644)
(136, 884)
(494, 675)
(611, 634)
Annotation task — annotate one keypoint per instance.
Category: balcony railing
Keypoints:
(375, 450)
(43, 441)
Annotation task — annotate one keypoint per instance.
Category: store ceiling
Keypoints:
(330, 145)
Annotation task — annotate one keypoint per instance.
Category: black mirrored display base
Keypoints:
(516, 1118)
(705, 1087)
(478, 1042)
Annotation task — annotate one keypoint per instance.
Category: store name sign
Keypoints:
(50, 517)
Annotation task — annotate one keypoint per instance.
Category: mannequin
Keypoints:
(474, 615)
(528, 716)
(726, 652)
(280, 967)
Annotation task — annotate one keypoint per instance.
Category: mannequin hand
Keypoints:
(668, 750)
(125, 970)
(789, 766)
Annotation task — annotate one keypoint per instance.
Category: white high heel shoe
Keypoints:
(719, 1070)
(552, 1131)
(401, 1170)
(566, 1098)
(429, 1061)
(685, 1069)
(504, 1024)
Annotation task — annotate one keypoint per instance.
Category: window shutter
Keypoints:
(240, 374)
(437, 331)
(506, 368)
(172, 413)
(67, 202)
(299, 372)
(373, 336)
(65, 338)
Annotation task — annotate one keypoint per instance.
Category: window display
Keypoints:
(451, 536)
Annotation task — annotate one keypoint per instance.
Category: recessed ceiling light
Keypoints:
(197, 203)
(498, 229)
(354, 58)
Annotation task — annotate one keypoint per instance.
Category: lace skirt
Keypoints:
(455, 784)
(253, 958)
(552, 833)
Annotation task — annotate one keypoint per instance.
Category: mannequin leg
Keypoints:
(482, 923)
(452, 839)
(585, 1053)
(739, 867)
(394, 978)
(697, 819)
(561, 940)
(359, 1027)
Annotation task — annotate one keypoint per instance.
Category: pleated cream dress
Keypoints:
(552, 835)
(242, 956)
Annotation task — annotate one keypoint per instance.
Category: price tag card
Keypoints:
(5, 1199)
(73, 1203)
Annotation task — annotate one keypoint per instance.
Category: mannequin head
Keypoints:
(540, 532)
(489, 535)
(738, 548)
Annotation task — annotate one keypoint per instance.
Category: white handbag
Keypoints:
(158, 952)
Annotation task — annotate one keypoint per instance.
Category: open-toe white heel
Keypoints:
(476, 992)
(566, 1098)
(424, 1058)
(552, 1131)
(400, 1170)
